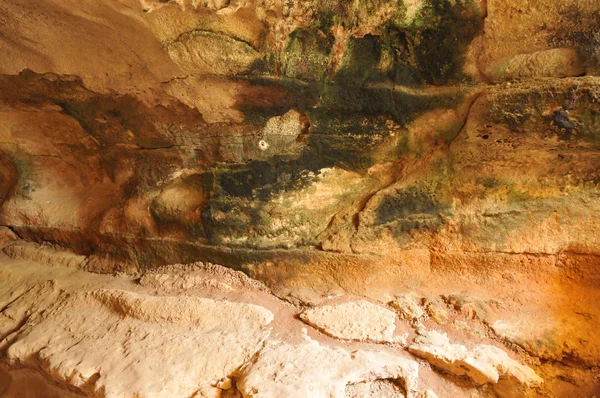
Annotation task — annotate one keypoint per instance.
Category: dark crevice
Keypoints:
(193, 32)
(13, 230)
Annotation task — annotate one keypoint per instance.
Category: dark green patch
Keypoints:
(349, 141)
(428, 50)
(306, 54)
(580, 30)
(259, 180)
(438, 40)
(409, 209)
(360, 62)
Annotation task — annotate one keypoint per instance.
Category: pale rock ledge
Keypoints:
(355, 320)
(282, 370)
(482, 364)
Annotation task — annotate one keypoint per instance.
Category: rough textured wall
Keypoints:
(339, 139)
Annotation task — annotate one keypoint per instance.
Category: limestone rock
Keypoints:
(122, 343)
(542, 30)
(12, 384)
(323, 147)
(183, 278)
(45, 254)
(282, 370)
(378, 388)
(435, 309)
(167, 282)
(201, 312)
(211, 53)
(558, 62)
(354, 320)
(471, 307)
(180, 199)
(482, 364)
(428, 394)
(20, 302)
(408, 308)
(6, 236)
(281, 132)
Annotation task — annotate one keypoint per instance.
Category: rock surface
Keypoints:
(437, 149)
(408, 308)
(114, 343)
(237, 131)
(355, 320)
(325, 372)
(482, 364)
(63, 331)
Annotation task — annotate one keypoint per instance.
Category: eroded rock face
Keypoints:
(435, 147)
(113, 343)
(355, 320)
(329, 370)
(161, 334)
(111, 337)
(351, 128)
(482, 364)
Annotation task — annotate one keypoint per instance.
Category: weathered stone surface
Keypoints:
(446, 148)
(435, 309)
(408, 307)
(211, 53)
(559, 62)
(301, 126)
(160, 335)
(355, 320)
(379, 388)
(482, 364)
(513, 29)
(115, 342)
(282, 370)
(110, 337)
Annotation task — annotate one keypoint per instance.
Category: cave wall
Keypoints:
(342, 139)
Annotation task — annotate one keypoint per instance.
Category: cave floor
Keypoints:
(203, 330)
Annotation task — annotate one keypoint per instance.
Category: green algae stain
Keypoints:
(306, 54)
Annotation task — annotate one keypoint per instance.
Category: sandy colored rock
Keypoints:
(200, 312)
(45, 254)
(12, 382)
(333, 150)
(72, 44)
(211, 53)
(354, 320)
(408, 308)
(559, 62)
(428, 394)
(166, 282)
(281, 370)
(378, 388)
(482, 364)
(435, 309)
(122, 343)
(513, 29)
(198, 276)
(281, 132)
